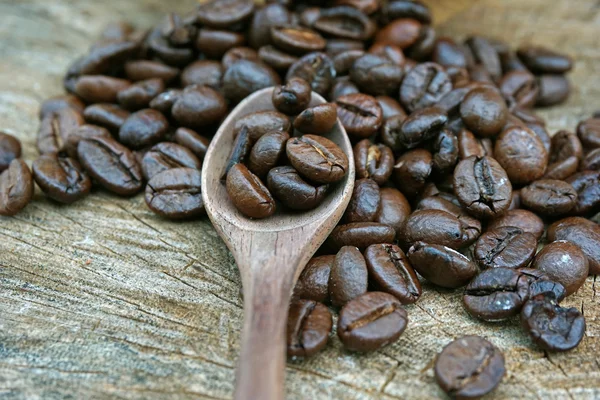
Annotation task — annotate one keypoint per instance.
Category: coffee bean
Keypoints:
(313, 283)
(143, 128)
(469, 368)
(349, 276)
(240, 150)
(276, 58)
(424, 86)
(293, 97)
(496, 294)
(591, 162)
(565, 263)
(344, 61)
(391, 272)
(336, 46)
(564, 145)
(364, 201)
(435, 227)
(224, 13)
(405, 9)
(101, 59)
(203, 72)
(412, 170)
(549, 197)
(421, 125)
(402, 32)
(214, 43)
(374, 161)
(484, 111)
(522, 155)
(192, 141)
(316, 69)
(294, 192)
(391, 132)
(308, 327)
(55, 129)
(10, 149)
(544, 61)
(177, 31)
(111, 164)
(317, 120)
(441, 265)
(423, 46)
(236, 54)
(361, 235)
(366, 6)
(371, 322)
(360, 114)
(459, 76)
(376, 75)
(249, 195)
(344, 22)
(164, 156)
(522, 219)
(505, 247)
(166, 52)
(176, 193)
(469, 145)
(139, 94)
(109, 116)
(264, 18)
(554, 89)
(57, 103)
(519, 88)
(589, 132)
(99, 88)
(552, 328)
(82, 132)
(262, 122)
(61, 178)
(317, 158)
(587, 186)
(390, 107)
(267, 152)
(246, 77)
(547, 288)
(447, 52)
(296, 40)
(583, 233)
(393, 209)
(470, 227)
(141, 70)
(389, 51)
(16, 187)
(561, 170)
(164, 101)
(199, 106)
(445, 148)
(485, 55)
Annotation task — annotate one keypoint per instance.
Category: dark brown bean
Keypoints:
(519, 88)
(214, 43)
(485, 54)
(192, 141)
(564, 145)
(249, 195)
(10, 149)
(421, 125)
(402, 32)
(293, 97)
(296, 39)
(262, 122)
(561, 170)
(361, 235)
(262, 21)
(589, 132)
(267, 152)
(522, 219)
(317, 158)
(100, 88)
(554, 89)
(56, 103)
(364, 201)
(316, 69)
(16, 187)
(423, 86)
(344, 22)
(549, 197)
(164, 156)
(544, 61)
(140, 94)
(203, 72)
(61, 178)
(360, 114)
(317, 120)
(308, 327)
(199, 106)
(376, 75)
(239, 151)
(390, 107)
(505, 247)
(276, 58)
(565, 263)
(583, 233)
(484, 111)
(313, 283)
(109, 116)
(470, 227)
(522, 155)
(55, 129)
(143, 128)
(224, 13)
(374, 161)
(349, 276)
(141, 70)
(412, 170)
(236, 54)
(176, 193)
(591, 162)
(445, 152)
(587, 186)
(393, 210)
(435, 227)
(164, 101)
(294, 192)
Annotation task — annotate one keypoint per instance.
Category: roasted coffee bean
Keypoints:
(236, 54)
(435, 227)
(344, 22)
(412, 170)
(469, 145)
(522, 219)
(203, 72)
(101, 59)
(55, 129)
(276, 58)
(176, 193)
(199, 106)
(552, 328)
(317, 158)
(423, 46)
(10, 149)
(100, 88)
(393, 210)
(402, 32)
(164, 156)
(548, 289)
(565, 263)
(262, 122)
(496, 294)
(561, 170)
(391, 272)
(249, 195)
(519, 88)
(143, 128)
(214, 43)
(336, 46)
(141, 70)
(267, 152)
(264, 18)
(360, 114)
(544, 61)
(224, 13)
(549, 197)
(294, 192)
(361, 235)
(470, 227)
(484, 111)
(564, 145)
(423, 86)
(554, 89)
(246, 77)
(240, 150)
(371, 322)
(111, 164)
(313, 283)
(376, 75)
(589, 132)
(405, 9)
(109, 116)
(316, 69)
(485, 55)
(57, 103)
(374, 161)
(522, 155)
(505, 247)
(469, 368)
(364, 201)
(542, 134)
(317, 120)
(591, 162)
(389, 51)
(583, 233)
(448, 53)
(16, 187)
(293, 97)
(349, 276)
(296, 39)
(139, 95)
(164, 101)
(390, 107)
(459, 76)
(61, 178)
(192, 141)
(82, 132)
(178, 32)
(366, 6)
(441, 265)
(308, 327)
(421, 125)
(587, 186)
(445, 152)
(344, 61)
(160, 47)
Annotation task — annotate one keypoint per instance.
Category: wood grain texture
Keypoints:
(103, 299)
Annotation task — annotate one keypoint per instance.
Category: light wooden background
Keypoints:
(103, 299)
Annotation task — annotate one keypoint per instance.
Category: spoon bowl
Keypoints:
(270, 253)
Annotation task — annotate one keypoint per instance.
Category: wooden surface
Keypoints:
(103, 299)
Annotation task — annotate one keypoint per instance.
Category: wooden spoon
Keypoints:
(270, 253)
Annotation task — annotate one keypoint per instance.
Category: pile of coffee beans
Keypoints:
(459, 182)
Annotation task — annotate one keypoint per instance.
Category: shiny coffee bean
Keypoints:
(61, 178)
(170, 55)
(519, 88)
(143, 128)
(214, 43)
(102, 58)
(389, 51)
(441, 265)
(419, 126)
(316, 69)
(565, 263)
(246, 77)
(313, 283)
(505, 247)
(224, 13)
(141, 70)
(374, 161)
(344, 22)
(110, 164)
(390, 107)
(317, 158)
(591, 161)
(10, 149)
(55, 129)
(364, 202)
(549, 197)
(361, 235)
(391, 272)
(293, 97)
(484, 111)
(293, 191)
(376, 75)
(435, 227)
(276, 58)
(249, 195)
(240, 151)
(267, 152)
(541, 133)
(344, 61)
(82, 132)
(337, 46)
(16, 187)
(522, 219)
(469, 368)
(412, 170)
(469, 145)
(447, 52)
(262, 122)
(236, 54)
(317, 120)
(192, 141)
(554, 89)
(445, 152)
(547, 288)
(164, 156)
(349, 276)
(522, 155)
(485, 55)
(561, 170)
(564, 145)
(164, 102)
(139, 94)
(402, 32)
(583, 233)
(203, 72)
(296, 39)
(308, 327)
(366, 6)
(587, 186)
(371, 322)
(393, 209)
(56, 103)
(589, 132)
(199, 106)
(423, 86)
(360, 114)
(544, 61)
(99, 88)
(552, 328)
(176, 193)
(405, 9)
(470, 227)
